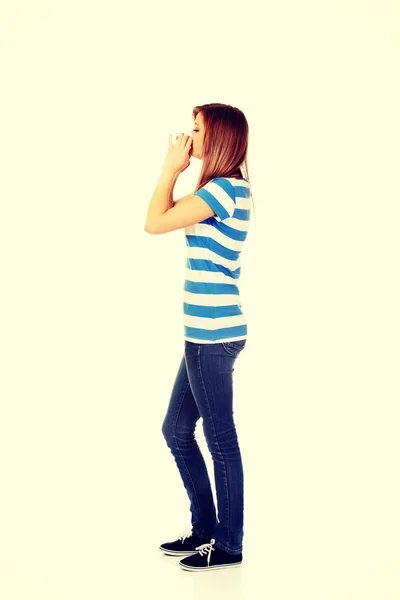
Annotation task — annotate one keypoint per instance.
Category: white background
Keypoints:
(91, 305)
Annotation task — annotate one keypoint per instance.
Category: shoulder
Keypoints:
(225, 183)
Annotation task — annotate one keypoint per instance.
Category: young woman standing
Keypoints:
(216, 219)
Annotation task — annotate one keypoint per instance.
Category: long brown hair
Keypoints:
(225, 143)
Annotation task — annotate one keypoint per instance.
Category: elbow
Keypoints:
(149, 229)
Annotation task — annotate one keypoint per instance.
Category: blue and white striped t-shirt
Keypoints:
(212, 310)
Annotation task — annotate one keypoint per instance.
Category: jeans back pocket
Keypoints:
(234, 347)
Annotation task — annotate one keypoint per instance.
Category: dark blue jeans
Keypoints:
(203, 388)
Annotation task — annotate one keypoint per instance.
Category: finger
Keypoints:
(188, 142)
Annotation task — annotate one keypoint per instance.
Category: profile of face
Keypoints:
(198, 136)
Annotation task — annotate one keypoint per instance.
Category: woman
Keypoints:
(216, 222)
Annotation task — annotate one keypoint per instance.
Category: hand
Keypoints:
(178, 155)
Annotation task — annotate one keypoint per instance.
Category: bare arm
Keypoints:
(180, 199)
(171, 202)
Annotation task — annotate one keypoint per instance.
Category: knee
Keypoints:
(174, 434)
(166, 430)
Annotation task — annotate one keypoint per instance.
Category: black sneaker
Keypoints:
(185, 545)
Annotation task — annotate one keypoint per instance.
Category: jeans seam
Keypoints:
(178, 447)
(215, 435)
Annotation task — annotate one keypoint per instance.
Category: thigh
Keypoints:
(210, 373)
(182, 412)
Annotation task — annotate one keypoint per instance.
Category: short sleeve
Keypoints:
(219, 194)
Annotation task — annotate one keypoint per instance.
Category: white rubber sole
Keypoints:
(208, 568)
(177, 552)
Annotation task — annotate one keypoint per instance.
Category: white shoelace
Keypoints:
(207, 548)
(186, 534)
